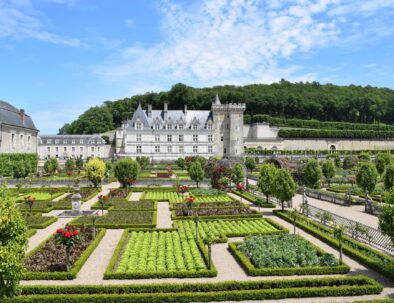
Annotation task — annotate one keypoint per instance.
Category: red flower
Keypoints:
(67, 234)
(59, 231)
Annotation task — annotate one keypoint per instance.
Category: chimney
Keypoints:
(22, 115)
(185, 109)
(149, 110)
(165, 112)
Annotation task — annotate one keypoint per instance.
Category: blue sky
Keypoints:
(59, 57)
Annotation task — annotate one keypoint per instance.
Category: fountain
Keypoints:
(76, 210)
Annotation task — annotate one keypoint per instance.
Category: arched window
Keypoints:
(332, 147)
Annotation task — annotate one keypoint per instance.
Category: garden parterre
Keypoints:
(174, 197)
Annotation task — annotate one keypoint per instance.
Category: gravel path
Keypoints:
(135, 196)
(163, 215)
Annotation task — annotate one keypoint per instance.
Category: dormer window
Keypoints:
(169, 126)
(194, 126)
(138, 125)
(180, 126)
(209, 126)
(157, 126)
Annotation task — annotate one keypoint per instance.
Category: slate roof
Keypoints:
(199, 117)
(12, 116)
(68, 139)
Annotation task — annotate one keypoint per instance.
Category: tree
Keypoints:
(266, 180)
(95, 170)
(382, 160)
(237, 174)
(388, 178)
(329, 170)
(367, 176)
(21, 169)
(284, 187)
(181, 162)
(386, 222)
(143, 162)
(339, 232)
(364, 157)
(196, 173)
(79, 164)
(312, 174)
(250, 164)
(13, 243)
(69, 165)
(126, 170)
(51, 165)
(349, 162)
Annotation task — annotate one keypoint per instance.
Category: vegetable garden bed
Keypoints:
(120, 219)
(184, 206)
(37, 220)
(222, 229)
(158, 254)
(255, 200)
(127, 205)
(174, 197)
(240, 212)
(48, 260)
(277, 255)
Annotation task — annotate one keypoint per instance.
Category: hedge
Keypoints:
(218, 217)
(331, 133)
(31, 232)
(7, 162)
(202, 292)
(109, 274)
(309, 152)
(252, 198)
(44, 224)
(351, 247)
(72, 274)
(251, 270)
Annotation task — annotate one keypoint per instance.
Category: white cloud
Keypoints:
(20, 20)
(129, 23)
(225, 41)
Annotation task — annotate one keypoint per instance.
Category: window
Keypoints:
(49, 149)
(81, 141)
(169, 138)
(157, 138)
(225, 151)
(21, 139)
(157, 148)
(169, 126)
(49, 141)
(13, 139)
(73, 149)
(139, 137)
(139, 148)
(28, 140)
(195, 138)
(72, 141)
(210, 149)
(209, 126)
(56, 141)
(92, 149)
(194, 126)
(181, 149)
(210, 138)
(221, 138)
(180, 138)
(57, 149)
(64, 141)
(65, 149)
(138, 125)
(98, 149)
(81, 149)
(180, 126)
(195, 148)
(169, 149)
(157, 126)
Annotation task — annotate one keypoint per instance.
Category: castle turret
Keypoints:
(228, 128)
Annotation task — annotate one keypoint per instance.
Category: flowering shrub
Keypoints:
(29, 200)
(102, 199)
(182, 189)
(240, 187)
(52, 191)
(67, 237)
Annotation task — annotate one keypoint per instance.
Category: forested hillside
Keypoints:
(324, 102)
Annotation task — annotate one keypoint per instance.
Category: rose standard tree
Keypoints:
(68, 238)
(126, 170)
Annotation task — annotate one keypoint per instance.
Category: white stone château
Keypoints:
(169, 134)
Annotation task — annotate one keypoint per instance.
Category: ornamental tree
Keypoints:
(95, 170)
(380, 164)
(349, 162)
(143, 162)
(51, 166)
(284, 187)
(329, 170)
(29, 200)
(181, 163)
(266, 180)
(126, 171)
(386, 222)
(13, 243)
(21, 169)
(69, 165)
(79, 164)
(250, 164)
(367, 176)
(67, 237)
(312, 174)
(388, 178)
(237, 173)
(196, 173)
(339, 232)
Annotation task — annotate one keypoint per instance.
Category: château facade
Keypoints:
(169, 134)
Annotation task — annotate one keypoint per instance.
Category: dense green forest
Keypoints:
(323, 102)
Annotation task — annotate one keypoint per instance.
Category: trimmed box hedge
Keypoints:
(252, 198)
(251, 270)
(202, 292)
(38, 221)
(72, 274)
(358, 251)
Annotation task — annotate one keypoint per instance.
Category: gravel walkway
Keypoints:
(163, 215)
(135, 196)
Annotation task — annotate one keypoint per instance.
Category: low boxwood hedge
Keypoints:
(202, 292)
(72, 274)
(382, 263)
(251, 270)
(252, 198)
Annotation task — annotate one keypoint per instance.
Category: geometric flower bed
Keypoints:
(216, 212)
(231, 204)
(222, 229)
(120, 219)
(39, 196)
(37, 220)
(126, 205)
(174, 197)
(38, 206)
(86, 194)
(284, 255)
(158, 254)
(48, 260)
